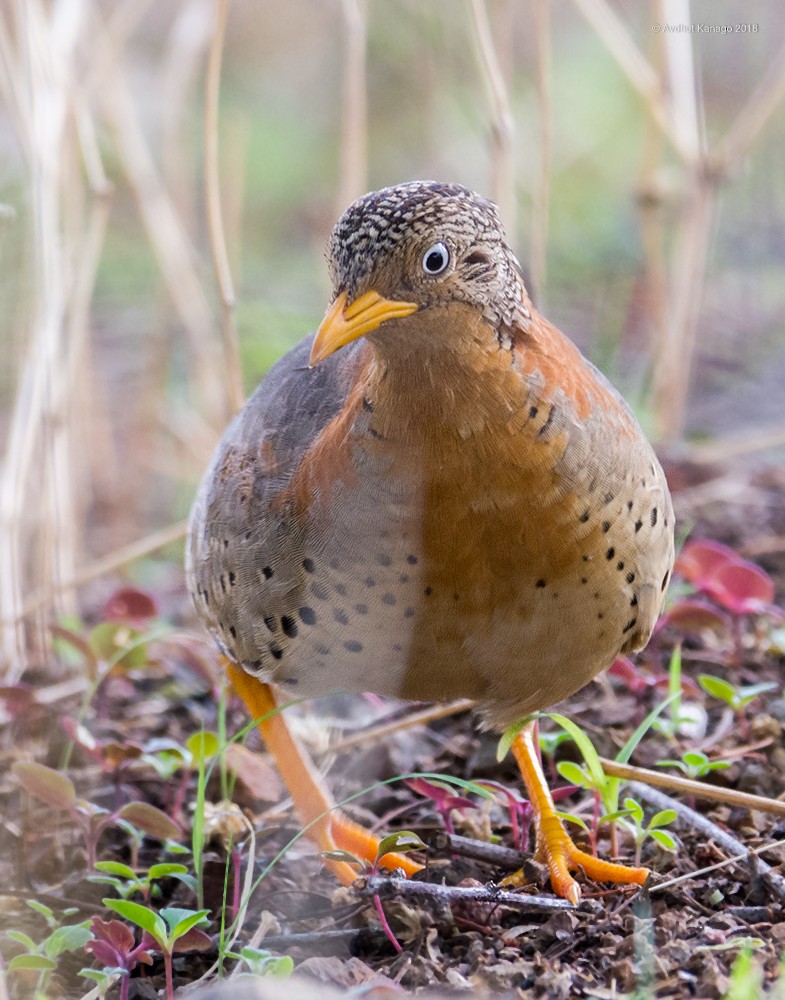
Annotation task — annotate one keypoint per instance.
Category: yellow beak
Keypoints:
(343, 324)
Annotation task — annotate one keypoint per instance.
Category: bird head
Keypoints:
(414, 247)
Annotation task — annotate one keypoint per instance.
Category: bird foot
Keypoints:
(338, 832)
(556, 849)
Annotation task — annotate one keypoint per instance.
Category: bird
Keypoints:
(433, 496)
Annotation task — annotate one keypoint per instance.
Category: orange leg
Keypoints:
(313, 803)
(554, 845)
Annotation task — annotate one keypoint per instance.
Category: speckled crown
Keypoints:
(376, 223)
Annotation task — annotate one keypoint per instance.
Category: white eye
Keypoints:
(435, 259)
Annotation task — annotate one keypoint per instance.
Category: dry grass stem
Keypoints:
(750, 121)
(541, 194)
(107, 564)
(638, 71)
(376, 734)
(182, 68)
(223, 274)
(502, 121)
(699, 789)
(173, 249)
(354, 123)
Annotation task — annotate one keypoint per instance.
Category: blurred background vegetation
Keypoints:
(641, 174)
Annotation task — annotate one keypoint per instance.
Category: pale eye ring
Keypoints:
(435, 259)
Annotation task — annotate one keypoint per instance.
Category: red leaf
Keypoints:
(150, 820)
(736, 584)
(129, 605)
(625, 670)
(17, 697)
(741, 587)
(691, 614)
(46, 784)
(699, 560)
(193, 940)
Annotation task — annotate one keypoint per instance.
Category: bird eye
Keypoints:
(435, 259)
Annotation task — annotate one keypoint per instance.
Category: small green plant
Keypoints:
(591, 775)
(173, 929)
(400, 842)
(694, 764)
(263, 963)
(42, 957)
(746, 977)
(736, 698)
(126, 881)
(632, 818)
(57, 791)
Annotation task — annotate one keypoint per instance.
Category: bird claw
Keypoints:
(556, 849)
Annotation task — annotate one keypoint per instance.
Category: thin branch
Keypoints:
(502, 121)
(542, 186)
(638, 71)
(697, 788)
(354, 125)
(107, 564)
(223, 274)
(750, 121)
(389, 888)
(477, 850)
(376, 734)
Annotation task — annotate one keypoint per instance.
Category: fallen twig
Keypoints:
(722, 838)
(388, 888)
(700, 789)
(375, 734)
(478, 850)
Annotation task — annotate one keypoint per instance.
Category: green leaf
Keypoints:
(23, 939)
(450, 780)
(70, 938)
(180, 920)
(695, 758)
(508, 737)
(344, 856)
(717, 765)
(264, 963)
(749, 693)
(566, 817)
(401, 841)
(665, 839)
(39, 963)
(46, 912)
(574, 773)
(635, 809)
(116, 868)
(623, 756)
(585, 746)
(139, 915)
(614, 816)
(116, 642)
(663, 818)
(50, 786)
(203, 745)
(166, 870)
(718, 688)
(103, 977)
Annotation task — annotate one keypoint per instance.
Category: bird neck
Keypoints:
(443, 377)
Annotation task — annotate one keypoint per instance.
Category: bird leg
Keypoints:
(328, 827)
(554, 845)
